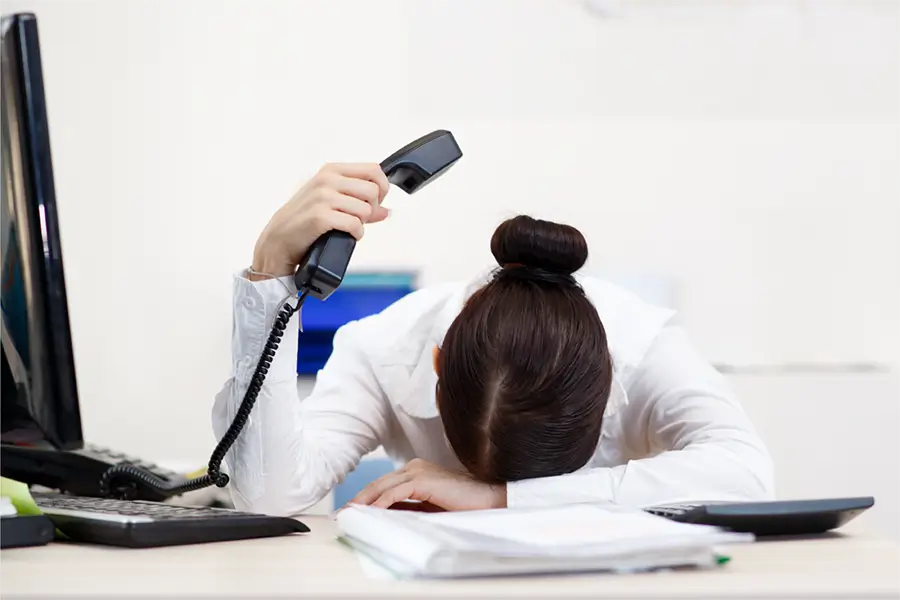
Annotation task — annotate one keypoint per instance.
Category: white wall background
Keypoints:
(748, 150)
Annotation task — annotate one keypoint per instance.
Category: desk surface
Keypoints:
(316, 565)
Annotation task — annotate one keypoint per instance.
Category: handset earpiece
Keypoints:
(410, 168)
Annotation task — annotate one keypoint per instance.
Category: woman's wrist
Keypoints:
(253, 275)
(260, 271)
(261, 274)
(267, 264)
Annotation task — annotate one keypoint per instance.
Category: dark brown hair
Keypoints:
(524, 371)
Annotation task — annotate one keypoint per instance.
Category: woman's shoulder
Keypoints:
(616, 302)
(631, 323)
(400, 331)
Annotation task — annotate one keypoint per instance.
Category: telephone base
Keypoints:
(74, 471)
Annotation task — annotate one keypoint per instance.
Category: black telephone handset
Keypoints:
(323, 269)
(410, 168)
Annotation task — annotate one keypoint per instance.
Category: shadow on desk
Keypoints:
(828, 535)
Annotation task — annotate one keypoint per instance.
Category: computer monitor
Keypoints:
(39, 395)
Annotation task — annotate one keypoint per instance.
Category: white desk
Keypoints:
(316, 565)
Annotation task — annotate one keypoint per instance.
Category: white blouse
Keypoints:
(672, 432)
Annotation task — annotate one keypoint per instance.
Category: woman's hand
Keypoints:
(340, 196)
(422, 481)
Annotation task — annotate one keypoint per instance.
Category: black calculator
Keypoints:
(784, 517)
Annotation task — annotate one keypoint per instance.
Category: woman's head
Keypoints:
(524, 371)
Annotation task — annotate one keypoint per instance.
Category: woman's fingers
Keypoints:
(399, 493)
(365, 171)
(359, 198)
(375, 489)
(333, 219)
(363, 189)
(416, 506)
(351, 205)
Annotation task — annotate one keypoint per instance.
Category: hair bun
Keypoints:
(540, 244)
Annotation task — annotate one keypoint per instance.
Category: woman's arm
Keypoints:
(679, 405)
(708, 449)
(293, 451)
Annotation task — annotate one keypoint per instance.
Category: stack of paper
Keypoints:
(574, 538)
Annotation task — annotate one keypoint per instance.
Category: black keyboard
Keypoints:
(143, 524)
(785, 517)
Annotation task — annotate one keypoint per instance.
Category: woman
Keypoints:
(528, 387)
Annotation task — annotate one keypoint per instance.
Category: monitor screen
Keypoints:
(40, 400)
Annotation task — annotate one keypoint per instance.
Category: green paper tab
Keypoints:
(20, 496)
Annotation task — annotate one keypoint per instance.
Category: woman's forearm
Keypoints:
(292, 451)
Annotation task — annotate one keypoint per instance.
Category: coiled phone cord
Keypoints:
(121, 481)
